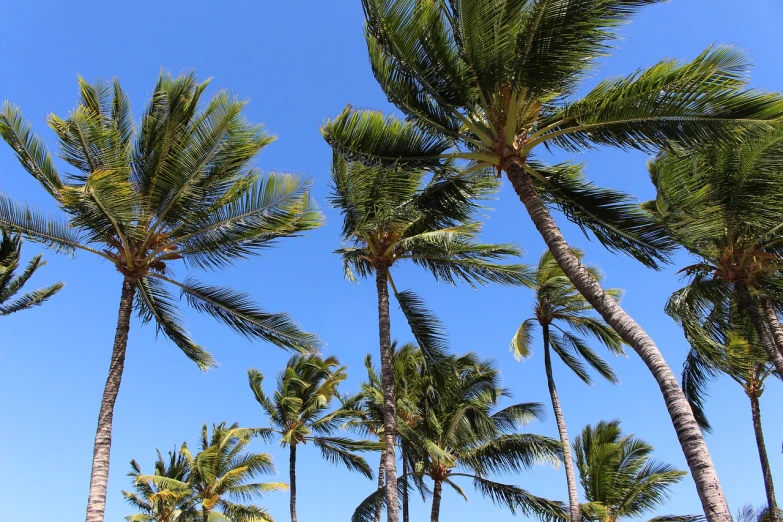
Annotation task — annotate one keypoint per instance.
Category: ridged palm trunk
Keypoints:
(389, 397)
(406, 474)
(688, 432)
(769, 487)
(573, 498)
(774, 325)
(101, 452)
(437, 493)
(292, 478)
(381, 482)
(752, 309)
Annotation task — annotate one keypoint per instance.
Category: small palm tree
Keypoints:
(618, 476)
(563, 314)
(459, 434)
(222, 471)
(733, 350)
(159, 504)
(408, 365)
(495, 83)
(178, 187)
(722, 205)
(11, 284)
(393, 215)
(299, 413)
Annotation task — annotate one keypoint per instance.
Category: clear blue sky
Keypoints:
(298, 62)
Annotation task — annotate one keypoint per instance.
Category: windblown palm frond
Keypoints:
(12, 283)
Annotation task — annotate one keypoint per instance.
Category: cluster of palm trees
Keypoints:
(485, 87)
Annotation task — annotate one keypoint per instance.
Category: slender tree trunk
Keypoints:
(389, 397)
(774, 325)
(292, 478)
(381, 482)
(765, 469)
(573, 497)
(688, 432)
(752, 309)
(204, 515)
(437, 492)
(99, 476)
(405, 472)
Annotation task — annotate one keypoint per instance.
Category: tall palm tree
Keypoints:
(299, 413)
(156, 504)
(563, 314)
(177, 187)
(11, 284)
(728, 345)
(221, 472)
(460, 434)
(392, 215)
(619, 478)
(494, 81)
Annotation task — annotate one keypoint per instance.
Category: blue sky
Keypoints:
(298, 62)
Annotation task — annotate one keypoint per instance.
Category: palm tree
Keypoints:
(220, 472)
(11, 284)
(563, 314)
(299, 413)
(494, 81)
(392, 215)
(722, 205)
(750, 514)
(177, 187)
(459, 434)
(619, 478)
(731, 349)
(160, 504)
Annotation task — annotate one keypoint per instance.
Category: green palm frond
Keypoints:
(11, 282)
(517, 500)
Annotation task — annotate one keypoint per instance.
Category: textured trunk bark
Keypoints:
(774, 324)
(389, 397)
(99, 476)
(688, 432)
(765, 469)
(752, 309)
(381, 482)
(573, 497)
(405, 472)
(292, 478)
(437, 492)
(204, 515)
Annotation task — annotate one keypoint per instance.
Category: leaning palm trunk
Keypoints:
(381, 482)
(751, 308)
(774, 325)
(389, 396)
(437, 492)
(765, 469)
(688, 432)
(406, 474)
(292, 478)
(99, 475)
(573, 498)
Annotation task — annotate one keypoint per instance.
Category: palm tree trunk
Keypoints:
(204, 515)
(768, 485)
(772, 320)
(752, 309)
(292, 478)
(437, 492)
(389, 398)
(689, 434)
(573, 498)
(99, 476)
(381, 482)
(405, 472)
